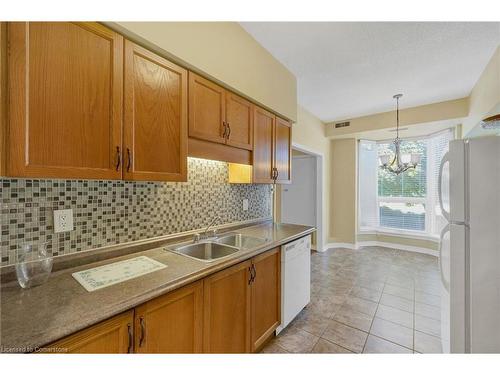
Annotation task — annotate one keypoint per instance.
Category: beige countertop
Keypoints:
(32, 318)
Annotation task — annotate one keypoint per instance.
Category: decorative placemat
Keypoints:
(114, 273)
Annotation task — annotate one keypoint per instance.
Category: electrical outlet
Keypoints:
(245, 204)
(63, 220)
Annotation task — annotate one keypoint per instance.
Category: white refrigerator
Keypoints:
(469, 195)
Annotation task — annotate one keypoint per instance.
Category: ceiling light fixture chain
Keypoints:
(400, 163)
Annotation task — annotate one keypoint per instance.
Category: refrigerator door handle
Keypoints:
(445, 282)
(446, 159)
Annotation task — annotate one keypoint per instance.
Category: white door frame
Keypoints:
(319, 191)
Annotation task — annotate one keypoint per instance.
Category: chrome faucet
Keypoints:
(214, 220)
(197, 237)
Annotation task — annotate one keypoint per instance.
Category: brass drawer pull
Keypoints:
(130, 338)
(129, 162)
(118, 158)
(143, 331)
(225, 129)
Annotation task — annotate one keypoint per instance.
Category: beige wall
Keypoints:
(225, 52)
(343, 190)
(309, 132)
(485, 96)
(453, 109)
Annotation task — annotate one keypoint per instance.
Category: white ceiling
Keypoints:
(351, 69)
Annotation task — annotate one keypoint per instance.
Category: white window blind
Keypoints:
(438, 146)
(407, 202)
(402, 197)
(367, 182)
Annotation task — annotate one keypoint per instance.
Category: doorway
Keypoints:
(301, 201)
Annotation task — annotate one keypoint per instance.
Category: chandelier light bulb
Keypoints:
(415, 159)
(384, 159)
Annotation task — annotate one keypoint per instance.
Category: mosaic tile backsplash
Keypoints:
(112, 212)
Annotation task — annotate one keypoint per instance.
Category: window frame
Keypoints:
(427, 200)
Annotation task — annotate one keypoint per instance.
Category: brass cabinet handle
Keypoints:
(225, 129)
(143, 331)
(129, 162)
(277, 174)
(229, 130)
(251, 275)
(130, 338)
(118, 158)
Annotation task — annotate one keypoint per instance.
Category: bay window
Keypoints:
(406, 203)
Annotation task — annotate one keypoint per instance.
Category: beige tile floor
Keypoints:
(373, 300)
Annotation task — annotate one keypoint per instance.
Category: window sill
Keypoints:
(399, 233)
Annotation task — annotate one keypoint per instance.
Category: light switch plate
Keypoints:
(63, 220)
(245, 204)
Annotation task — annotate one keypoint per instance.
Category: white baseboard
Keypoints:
(336, 245)
(390, 245)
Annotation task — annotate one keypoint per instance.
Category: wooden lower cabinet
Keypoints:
(266, 297)
(235, 310)
(242, 305)
(114, 335)
(227, 298)
(171, 323)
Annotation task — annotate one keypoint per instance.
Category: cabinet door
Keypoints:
(226, 324)
(65, 100)
(207, 109)
(155, 142)
(114, 335)
(263, 150)
(239, 118)
(266, 297)
(283, 150)
(171, 323)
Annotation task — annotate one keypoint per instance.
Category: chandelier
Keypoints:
(400, 163)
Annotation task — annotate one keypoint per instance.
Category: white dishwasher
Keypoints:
(295, 279)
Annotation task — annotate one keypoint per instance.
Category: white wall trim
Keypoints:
(390, 245)
(396, 234)
(358, 245)
(337, 245)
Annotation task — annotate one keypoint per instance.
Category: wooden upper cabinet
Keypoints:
(155, 117)
(283, 150)
(263, 150)
(114, 335)
(266, 297)
(172, 323)
(227, 298)
(65, 100)
(239, 119)
(207, 109)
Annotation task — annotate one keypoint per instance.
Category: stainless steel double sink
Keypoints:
(216, 248)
